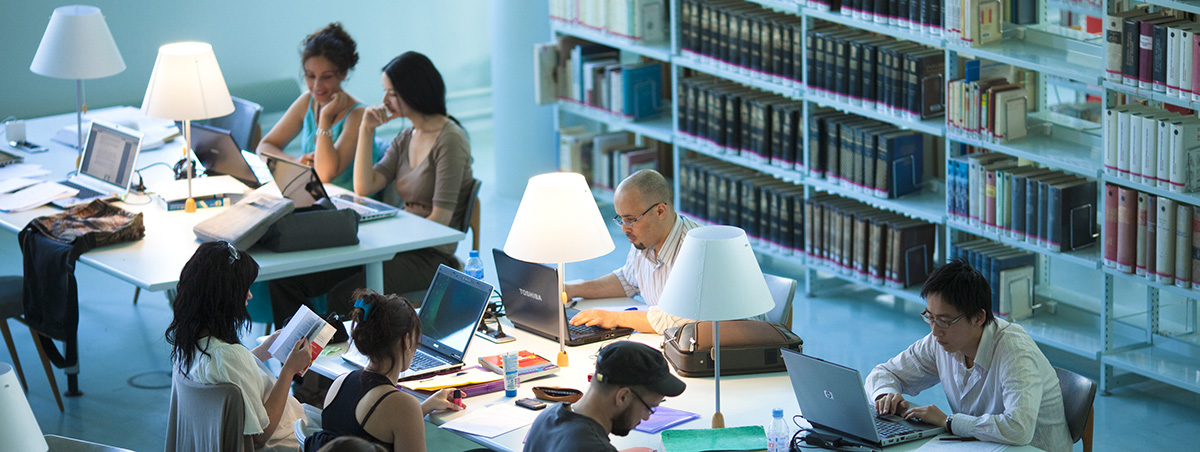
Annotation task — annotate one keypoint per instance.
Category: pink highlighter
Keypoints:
(458, 396)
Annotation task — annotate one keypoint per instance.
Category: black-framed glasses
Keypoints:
(621, 222)
(652, 409)
(934, 321)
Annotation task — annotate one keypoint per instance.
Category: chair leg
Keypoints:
(136, 291)
(49, 369)
(1086, 439)
(12, 350)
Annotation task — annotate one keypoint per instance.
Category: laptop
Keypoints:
(452, 309)
(833, 399)
(220, 155)
(300, 183)
(109, 160)
(529, 293)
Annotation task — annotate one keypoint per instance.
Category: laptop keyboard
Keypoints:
(422, 360)
(888, 429)
(84, 192)
(582, 330)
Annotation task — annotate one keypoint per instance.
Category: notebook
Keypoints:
(109, 160)
(529, 293)
(451, 311)
(300, 183)
(832, 398)
(220, 155)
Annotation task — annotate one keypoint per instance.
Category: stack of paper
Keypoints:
(35, 196)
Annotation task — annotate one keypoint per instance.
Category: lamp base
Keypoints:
(562, 359)
(189, 206)
(718, 420)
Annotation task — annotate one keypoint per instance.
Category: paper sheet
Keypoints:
(493, 421)
(35, 196)
(960, 446)
(467, 377)
(22, 170)
(16, 183)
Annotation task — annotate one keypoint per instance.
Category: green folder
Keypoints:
(719, 439)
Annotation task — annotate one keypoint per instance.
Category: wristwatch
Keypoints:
(948, 429)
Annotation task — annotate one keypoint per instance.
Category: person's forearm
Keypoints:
(275, 403)
(325, 159)
(636, 320)
(366, 180)
(607, 286)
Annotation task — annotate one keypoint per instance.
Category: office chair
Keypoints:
(12, 307)
(1079, 392)
(470, 222)
(242, 123)
(783, 291)
(206, 417)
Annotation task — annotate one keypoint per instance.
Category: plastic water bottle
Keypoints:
(474, 266)
(778, 436)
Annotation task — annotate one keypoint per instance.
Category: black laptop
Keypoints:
(528, 292)
(300, 184)
(220, 155)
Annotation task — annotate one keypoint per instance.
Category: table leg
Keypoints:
(375, 276)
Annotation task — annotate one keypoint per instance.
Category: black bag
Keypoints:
(312, 228)
(747, 347)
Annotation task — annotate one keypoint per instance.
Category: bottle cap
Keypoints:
(778, 412)
(474, 253)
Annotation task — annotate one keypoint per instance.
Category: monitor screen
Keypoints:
(452, 309)
(110, 155)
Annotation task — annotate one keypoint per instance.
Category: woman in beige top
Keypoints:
(428, 165)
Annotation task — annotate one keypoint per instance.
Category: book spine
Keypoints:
(1135, 147)
(1183, 244)
(1185, 64)
(1112, 37)
(1149, 150)
(1158, 58)
(1055, 218)
(1111, 206)
(1130, 58)
(1143, 204)
(1145, 75)
(1165, 247)
(1110, 142)
(1195, 246)
(989, 201)
(1151, 236)
(1173, 61)
(1194, 50)
(1126, 230)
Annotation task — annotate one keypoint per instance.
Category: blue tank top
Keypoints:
(308, 143)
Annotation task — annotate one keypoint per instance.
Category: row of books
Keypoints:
(640, 21)
(1153, 236)
(1052, 209)
(592, 75)
(743, 37)
(977, 23)
(991, 108)
(868, 244)
(768, 209)
(1154, 50)
(866, 155)
(898, 78)
(1153, 146)
(740, 120)
(919, 16)
(606, 159)
(1009, 272)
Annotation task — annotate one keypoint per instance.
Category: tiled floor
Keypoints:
(125, 360)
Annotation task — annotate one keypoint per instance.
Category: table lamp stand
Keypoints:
(189, 206)
(563, 361)
(79, 109)
(718, 419)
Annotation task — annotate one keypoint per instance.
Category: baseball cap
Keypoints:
(627, 363)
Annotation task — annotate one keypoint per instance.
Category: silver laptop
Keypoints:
(300, 183)
(833, 399)
(109, 160)
(451, 311)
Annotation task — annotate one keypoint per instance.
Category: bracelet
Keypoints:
(325, 133)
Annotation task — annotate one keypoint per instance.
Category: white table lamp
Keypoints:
(18, 428)
(77, 45)
(558, 222)
(187, 85)
(716, 277)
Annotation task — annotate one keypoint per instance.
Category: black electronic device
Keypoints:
(533, 404)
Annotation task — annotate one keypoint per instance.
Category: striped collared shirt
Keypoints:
(646, 272)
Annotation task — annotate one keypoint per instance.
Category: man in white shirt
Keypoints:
(646, 214)
(999, 385)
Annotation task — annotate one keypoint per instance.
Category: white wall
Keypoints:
(254, 40)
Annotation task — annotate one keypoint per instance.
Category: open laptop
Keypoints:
(451, 311)
(833, 399)
(528, 292)
(109, 160)
(220, 155)
(300, 183)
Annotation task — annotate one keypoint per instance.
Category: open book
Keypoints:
(304, 324)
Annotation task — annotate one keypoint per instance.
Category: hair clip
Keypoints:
(233, 253)
(365, 307)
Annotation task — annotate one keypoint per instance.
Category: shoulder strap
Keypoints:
(376, 405)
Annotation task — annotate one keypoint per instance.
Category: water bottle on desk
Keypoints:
(474, 266)
(779, 436)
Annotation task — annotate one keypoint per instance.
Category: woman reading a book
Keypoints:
(326, 118)
(365, 403)
(210, 310)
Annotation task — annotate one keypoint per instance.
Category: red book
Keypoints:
(1126, 229)
(1110, 225)
(525, 360)
(1146, 55)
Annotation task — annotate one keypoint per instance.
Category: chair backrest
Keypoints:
(1078, 394)
(471, 218)
(206, 417)
(783, 290)
(241, 123)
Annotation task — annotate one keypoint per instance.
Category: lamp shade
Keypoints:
(558, 222)
(77, 45)
(716, 277)
(186, 84)
(18, 428)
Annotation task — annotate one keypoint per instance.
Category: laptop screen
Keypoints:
(110, 154)
(297, 182)
(451, 311)
(528, 292)
(219, 154)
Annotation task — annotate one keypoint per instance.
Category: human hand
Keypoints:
(308, 159)
(377, 115)
(929, 414)
(299, 358)
(441, 401)
(596, 317)
(338, 103)
(890, 404)
(263, 349)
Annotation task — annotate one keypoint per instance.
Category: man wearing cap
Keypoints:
(631, 379)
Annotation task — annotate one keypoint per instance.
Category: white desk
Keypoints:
(745, 399)
(154, 262)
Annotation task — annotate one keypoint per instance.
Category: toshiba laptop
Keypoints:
(300, 183)
(833, 399)
(528, 293)
(220, 155)
(451, 311)
(109, 160)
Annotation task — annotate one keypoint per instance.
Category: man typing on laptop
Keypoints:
(999, 385)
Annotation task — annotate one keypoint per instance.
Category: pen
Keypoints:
(958, 438)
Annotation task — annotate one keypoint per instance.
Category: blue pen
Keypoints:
(631, 308)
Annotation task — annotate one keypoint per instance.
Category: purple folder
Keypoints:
(665, 418)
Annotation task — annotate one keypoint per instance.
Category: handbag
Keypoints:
(312, 228)
(747, 347)
(242, 224)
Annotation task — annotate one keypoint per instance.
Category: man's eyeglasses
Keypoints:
(934, 321)
(652, 409)
(621, 221)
